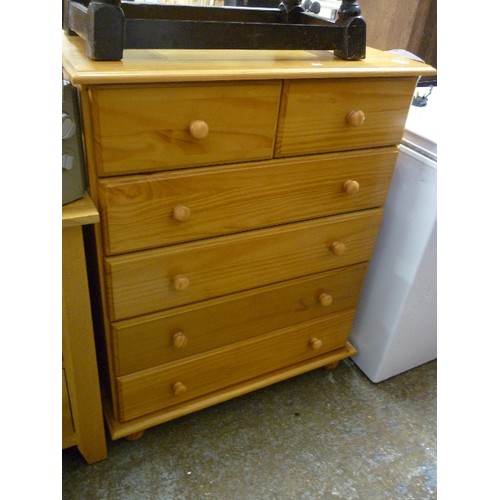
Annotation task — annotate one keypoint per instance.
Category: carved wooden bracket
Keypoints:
(110, 26)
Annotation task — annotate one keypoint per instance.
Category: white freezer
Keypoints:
(395, 328)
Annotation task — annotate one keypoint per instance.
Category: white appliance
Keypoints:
(395, 328)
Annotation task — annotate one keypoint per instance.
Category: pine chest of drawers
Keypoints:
(240, 194)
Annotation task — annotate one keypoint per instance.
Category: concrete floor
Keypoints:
(317, 436)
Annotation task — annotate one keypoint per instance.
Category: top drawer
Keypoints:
(162, 127)
(318, 116)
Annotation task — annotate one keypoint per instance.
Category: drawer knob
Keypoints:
(179, 388)
(337, 248)
(181, 213)
(325, 299)
(180, 340)
(351, 187)
(198, 129)
(315, 343)
(356, 117)
(181, 282)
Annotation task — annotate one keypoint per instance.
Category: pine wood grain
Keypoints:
(68, 430)
(122, 429)
(150, 390)
(146, 66)
(79, 212)
(148, 341)
(314, 114)
(138, 211)
(153, 131)
(80, 365)
(142, 282)
(249, 270)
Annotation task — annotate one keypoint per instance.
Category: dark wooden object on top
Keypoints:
(110, 26)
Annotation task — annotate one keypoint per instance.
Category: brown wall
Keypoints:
(402, 24)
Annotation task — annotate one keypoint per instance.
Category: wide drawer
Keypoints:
(161, 338)
(162, 127)
(334, 115)
(150, 390)
(153, 280)
(147, 211)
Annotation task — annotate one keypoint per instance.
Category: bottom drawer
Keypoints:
(151, 390)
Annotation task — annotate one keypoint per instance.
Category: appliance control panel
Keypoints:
(74, 182)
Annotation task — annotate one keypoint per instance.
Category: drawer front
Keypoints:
(162, 127)
(322, 116)
(157, 388)
(161, 338)
(154, 280)
(141, 212)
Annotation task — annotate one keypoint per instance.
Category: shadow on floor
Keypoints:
(325, 434)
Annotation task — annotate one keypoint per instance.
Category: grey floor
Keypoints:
(320, 435)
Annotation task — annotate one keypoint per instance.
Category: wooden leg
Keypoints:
(135, 436)
(78, 350)
(332, 366)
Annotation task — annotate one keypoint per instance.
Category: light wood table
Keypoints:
(82, 417)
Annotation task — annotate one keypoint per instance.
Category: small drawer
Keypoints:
(161, 338)
(320, 116)
(147, 211)
(150, 390)
(153, 280)
(163, 127)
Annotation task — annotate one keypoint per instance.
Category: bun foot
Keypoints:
(332, 366)
(134, 436)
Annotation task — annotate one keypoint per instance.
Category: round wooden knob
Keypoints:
(356, 117)
(179, 388)
(351, 187)
(198, 129)
(337, 248)
(180, 282)
(181, 213)
(180, 340)
(315, 343)
(325, 299)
